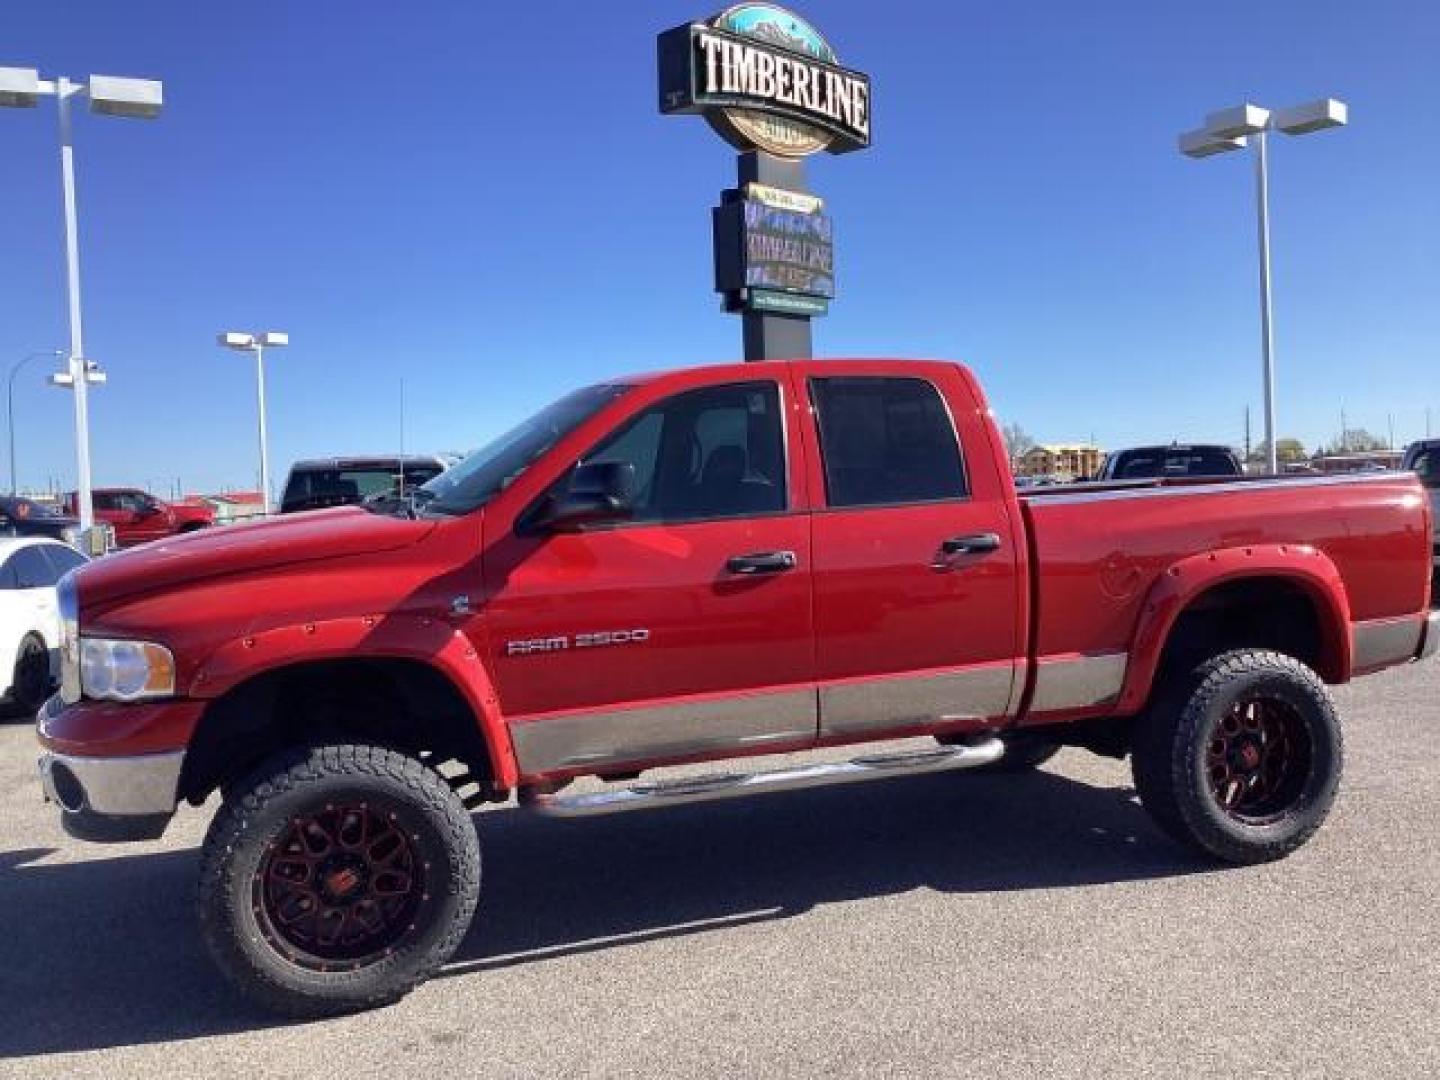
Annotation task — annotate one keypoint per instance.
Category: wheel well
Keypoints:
(1253, 613)
(404, 704)
(192, 526)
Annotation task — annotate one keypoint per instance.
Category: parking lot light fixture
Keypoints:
(1201, 144)
(1234, 129)
(139, 99)
(19, 87)
(241, 341)
(109, 95)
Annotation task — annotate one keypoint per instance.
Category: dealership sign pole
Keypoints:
(773, 88)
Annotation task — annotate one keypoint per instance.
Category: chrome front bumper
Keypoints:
(120, 798)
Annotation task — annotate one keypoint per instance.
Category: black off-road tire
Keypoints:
(246, 857)
(1175, 759)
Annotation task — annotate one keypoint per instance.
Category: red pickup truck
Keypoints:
(139, 517)
(712, 563)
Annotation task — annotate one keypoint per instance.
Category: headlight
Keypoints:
(125, 670)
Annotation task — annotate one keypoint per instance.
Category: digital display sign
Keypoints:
(763, 246)
(789, 250)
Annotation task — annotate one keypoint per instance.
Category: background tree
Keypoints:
(1287, 450)
(1017, 441)
(1356, 441)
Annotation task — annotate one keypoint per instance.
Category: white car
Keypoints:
(30, 617)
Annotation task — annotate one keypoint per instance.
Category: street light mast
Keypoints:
(109, 95)
(1232, 129)
(257, 343)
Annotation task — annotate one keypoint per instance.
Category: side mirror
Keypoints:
(598, 492)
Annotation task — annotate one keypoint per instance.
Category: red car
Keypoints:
(707, 564)
(139, 517)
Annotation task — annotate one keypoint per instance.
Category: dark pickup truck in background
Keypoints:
(1174, 461)
(320, 483)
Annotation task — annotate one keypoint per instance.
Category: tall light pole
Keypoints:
(111, 96)
(1233, 129)
(258, 343)
(10, 403)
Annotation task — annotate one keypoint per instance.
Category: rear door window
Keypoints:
(886, 441)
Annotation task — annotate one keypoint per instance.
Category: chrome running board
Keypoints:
(715, 786)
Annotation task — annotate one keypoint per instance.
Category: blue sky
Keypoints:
(482, 199)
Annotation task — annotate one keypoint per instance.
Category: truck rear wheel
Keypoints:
(1242, 759)
(337, 878)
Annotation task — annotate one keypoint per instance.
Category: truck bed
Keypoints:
(1097, 552)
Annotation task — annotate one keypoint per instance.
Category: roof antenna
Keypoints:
(402, 438)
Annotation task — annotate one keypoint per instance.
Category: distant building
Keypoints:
(1062, 460)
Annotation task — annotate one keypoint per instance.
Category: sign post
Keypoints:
(772, 87)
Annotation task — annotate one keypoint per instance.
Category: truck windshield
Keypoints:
(490, 470)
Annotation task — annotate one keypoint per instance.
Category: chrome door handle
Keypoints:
(761, 562)
(973, 544)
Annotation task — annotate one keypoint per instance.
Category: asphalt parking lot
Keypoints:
(927, 926)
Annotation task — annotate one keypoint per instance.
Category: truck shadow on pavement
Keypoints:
(105, 952)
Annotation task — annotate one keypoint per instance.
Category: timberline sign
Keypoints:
(765, 80)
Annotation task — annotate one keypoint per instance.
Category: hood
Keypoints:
(244, 549)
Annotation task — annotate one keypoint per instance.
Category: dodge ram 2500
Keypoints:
(712, 563)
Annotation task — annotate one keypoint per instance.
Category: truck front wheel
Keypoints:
(1242, 759)
(337, 878)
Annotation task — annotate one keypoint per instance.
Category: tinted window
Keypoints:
(712, 453)
(311, 489)
(32, 569)
(104, 500)
(1175, 461)
(62, 558)
(8, 580)
(639, 444)
(886, 441)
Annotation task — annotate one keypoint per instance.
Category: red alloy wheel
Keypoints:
(1257, 760)
(339, 888)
